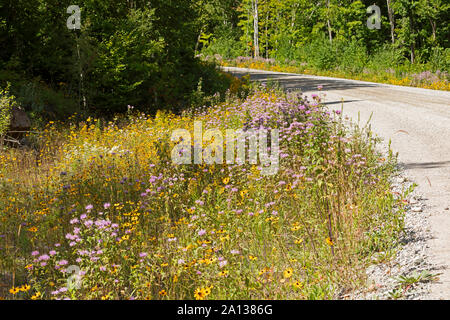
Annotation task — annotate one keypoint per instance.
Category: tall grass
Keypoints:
(106, 199)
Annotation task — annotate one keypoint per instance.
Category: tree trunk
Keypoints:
(391, 20)
(255, 27)
(412, 35)
(81, 74)
(198, 40)
(433, 28)
(330, 35)
(266, 49)
(247, 36)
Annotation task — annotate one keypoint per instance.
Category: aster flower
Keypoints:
(63, 262)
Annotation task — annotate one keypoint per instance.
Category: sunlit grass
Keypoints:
(106, 198)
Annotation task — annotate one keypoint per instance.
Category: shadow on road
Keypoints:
(425, 165)
(295, 82)
(340, 102)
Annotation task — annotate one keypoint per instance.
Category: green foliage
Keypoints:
(341, 55)
(126, 61)
(38, 99)
(126, 53)
(6, 104)
(143, 54)
(440, 59)
(352, 57)
(323, 56)
(385, 58)
(225, 44)
(44, 102)
(329, 35)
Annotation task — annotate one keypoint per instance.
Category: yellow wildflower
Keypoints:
(288, 273)
(297, 284)
(14, 290)
(36, 296)
(163, 293)
(329, 241)
(199, 294)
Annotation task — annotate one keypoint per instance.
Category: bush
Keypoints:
(43, 102)
(6, 103)
(440, 59)
(319, 54)
(224, 44)
(352, 56)
(386, 58)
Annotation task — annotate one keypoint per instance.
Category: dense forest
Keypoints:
(282, 29)
(151, 54)
(137, 53)
(400, 42)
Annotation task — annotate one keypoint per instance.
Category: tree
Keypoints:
(255, 27)
(391, 20)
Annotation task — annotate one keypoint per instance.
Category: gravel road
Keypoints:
(417, 122)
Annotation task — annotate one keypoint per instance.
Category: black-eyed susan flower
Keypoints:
(25, 288)
(14, 290)
(288, 273)
(199, 294)
(163, 293)
(36, 296)
(223, 273)
(297, 284)
(208, 290)
(329, 241)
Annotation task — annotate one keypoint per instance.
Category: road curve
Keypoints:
(417, 121)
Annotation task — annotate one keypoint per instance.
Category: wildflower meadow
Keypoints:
(98, 209)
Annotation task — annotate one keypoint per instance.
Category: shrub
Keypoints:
(352, 56)
(320, 54)
(386, 58)
(440, 59)
(226, 46)
(7, 101)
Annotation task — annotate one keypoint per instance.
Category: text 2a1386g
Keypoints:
(246, 309)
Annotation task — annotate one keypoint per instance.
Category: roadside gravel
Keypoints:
(410, 260)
